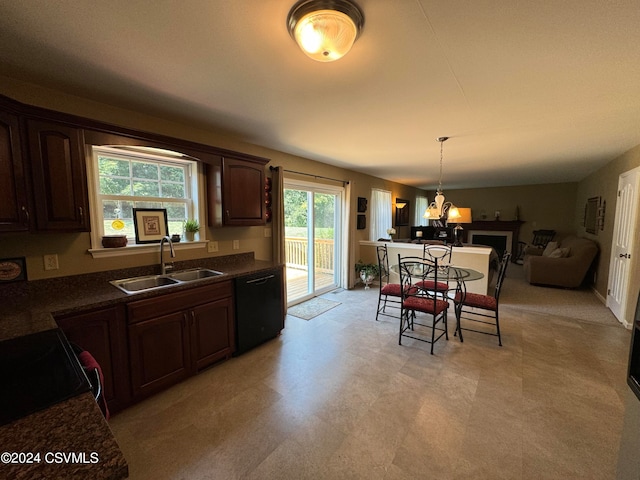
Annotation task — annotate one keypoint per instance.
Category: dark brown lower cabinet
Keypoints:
(159, 353)
(103, 334)
(174, 336)
(211, 331)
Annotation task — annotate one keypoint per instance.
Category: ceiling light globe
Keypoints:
(325, 30)
(325, 35)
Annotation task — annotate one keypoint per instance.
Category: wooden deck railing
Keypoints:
(296, 253)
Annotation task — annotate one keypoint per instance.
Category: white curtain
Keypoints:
(421, 205)
(380, 214)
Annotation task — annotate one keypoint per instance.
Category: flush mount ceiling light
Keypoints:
(439, 209)
(325, 30)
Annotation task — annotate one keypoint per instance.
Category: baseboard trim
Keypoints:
(598, 296)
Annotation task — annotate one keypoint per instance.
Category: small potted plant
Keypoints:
(367, 271)
(191, 227)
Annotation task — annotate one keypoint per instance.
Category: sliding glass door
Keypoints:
(312, 239)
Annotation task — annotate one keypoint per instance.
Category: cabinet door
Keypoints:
(14, 213)
(59, 176)
(159, 350)
(102, 333)
(243, 192)
(212, 336)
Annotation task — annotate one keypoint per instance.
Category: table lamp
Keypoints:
(465, 217)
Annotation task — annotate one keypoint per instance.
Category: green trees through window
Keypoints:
(296, 217)
(126, 181)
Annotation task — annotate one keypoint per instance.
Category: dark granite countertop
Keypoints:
(28, 308)
(72, 439)
(77, 425)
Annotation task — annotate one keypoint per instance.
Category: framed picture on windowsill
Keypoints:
(151, 224)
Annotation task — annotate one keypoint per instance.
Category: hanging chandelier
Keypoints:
(439, 209)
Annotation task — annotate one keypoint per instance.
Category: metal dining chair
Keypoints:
(433, 255)
(415, 301)
(389, 295)
(478, 308)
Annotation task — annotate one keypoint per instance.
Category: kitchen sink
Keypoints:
(153, 282)
(194, 274)
(138, 284)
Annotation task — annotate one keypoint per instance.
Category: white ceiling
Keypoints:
(529, 91)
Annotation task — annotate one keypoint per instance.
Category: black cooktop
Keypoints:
(37, 371)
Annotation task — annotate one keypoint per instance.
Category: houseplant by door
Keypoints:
(367, 271)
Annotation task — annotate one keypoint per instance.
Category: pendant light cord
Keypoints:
(441, 140)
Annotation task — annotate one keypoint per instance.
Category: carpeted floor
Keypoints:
(581, 304)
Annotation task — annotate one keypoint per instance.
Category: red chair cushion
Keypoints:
(477, 300)
(392, 289)
(426, 305)
(431, 285)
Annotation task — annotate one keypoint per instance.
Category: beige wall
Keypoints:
(604, 183)
(550, 206)
(72, 248)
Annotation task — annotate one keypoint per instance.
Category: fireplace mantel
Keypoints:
(512, 226)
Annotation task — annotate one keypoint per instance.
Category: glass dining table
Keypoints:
(425, 270)
(444, 273)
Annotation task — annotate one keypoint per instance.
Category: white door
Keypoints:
(623, 241)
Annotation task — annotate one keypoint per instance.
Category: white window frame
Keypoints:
(195, 186)
(381, 219)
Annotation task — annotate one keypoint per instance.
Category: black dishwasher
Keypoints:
(259, 308)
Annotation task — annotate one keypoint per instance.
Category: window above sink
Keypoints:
(123, 178)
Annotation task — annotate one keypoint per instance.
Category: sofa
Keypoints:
(560, 264)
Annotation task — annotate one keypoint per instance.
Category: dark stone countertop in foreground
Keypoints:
(73, 427)
(77, 425)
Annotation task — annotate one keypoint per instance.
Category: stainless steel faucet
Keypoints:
(164, 267)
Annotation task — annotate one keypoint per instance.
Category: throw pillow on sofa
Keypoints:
(551, 247)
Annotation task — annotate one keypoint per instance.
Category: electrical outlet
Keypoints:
(267, 232)
(51, 262)
(212, 247)
(236, 244)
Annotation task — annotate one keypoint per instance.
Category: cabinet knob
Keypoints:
(26, 212)
(81, 212)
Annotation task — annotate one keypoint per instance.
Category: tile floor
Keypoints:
(336, 397)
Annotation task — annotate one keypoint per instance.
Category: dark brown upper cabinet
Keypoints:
(236, 192)
(59, 177)
(43, 177)
(14, 208)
